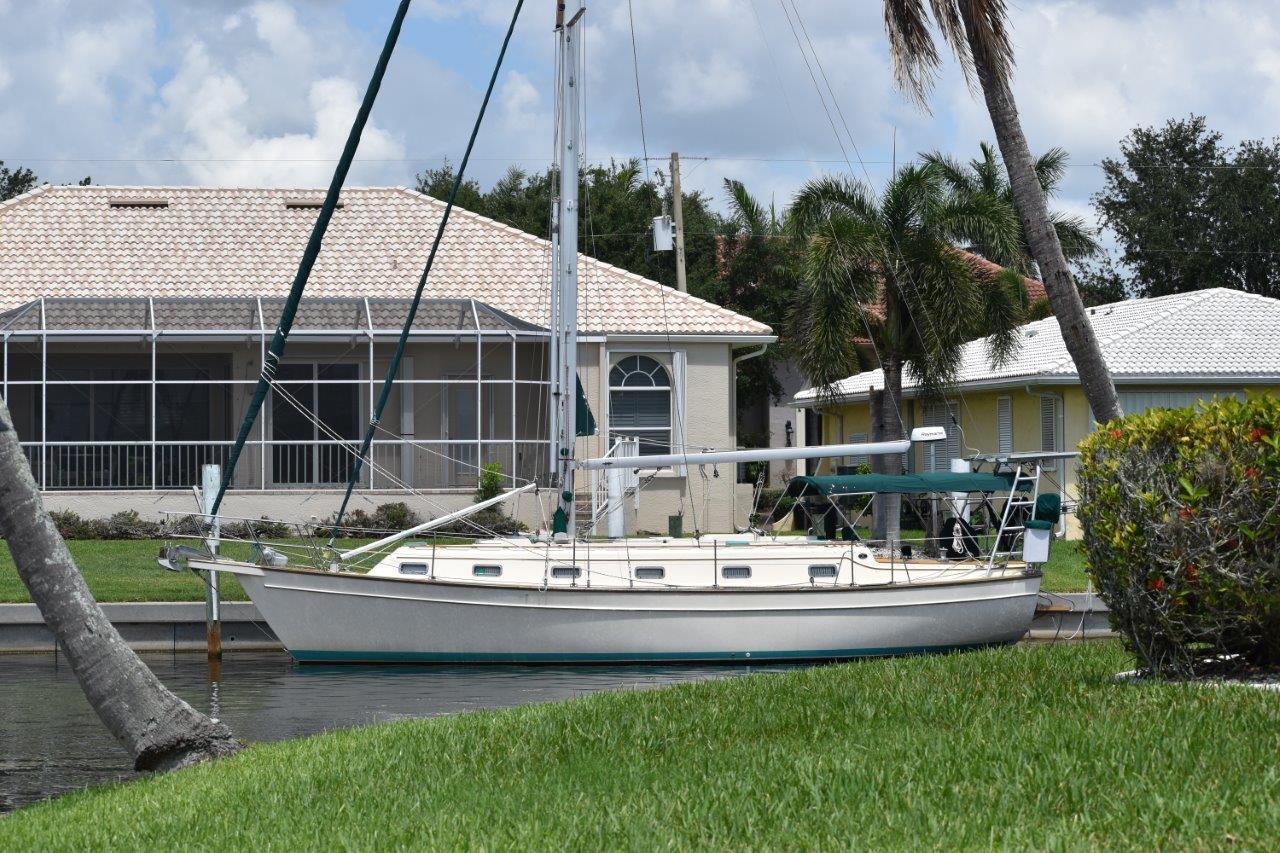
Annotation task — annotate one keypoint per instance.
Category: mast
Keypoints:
(564, 347)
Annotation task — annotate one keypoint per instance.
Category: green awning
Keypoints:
(585, 421)
(906, 484)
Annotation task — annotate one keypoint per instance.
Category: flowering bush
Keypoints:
(1181, 515)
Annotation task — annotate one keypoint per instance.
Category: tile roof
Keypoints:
(214, 241)
(1215, 334)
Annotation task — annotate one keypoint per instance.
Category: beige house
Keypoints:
(135, 321)
(1166, 352)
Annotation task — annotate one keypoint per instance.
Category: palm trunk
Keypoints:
(160, 730)
(886, 425)
(1028, 197)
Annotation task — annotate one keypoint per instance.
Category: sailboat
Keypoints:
(563, 597)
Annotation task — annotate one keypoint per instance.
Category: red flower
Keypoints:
(1252, 472)
(1257, 434)
(1186, 513)
(1156, 584)
(1191, 572)
(1115, 433)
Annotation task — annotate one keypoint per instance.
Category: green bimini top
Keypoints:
(903, 484)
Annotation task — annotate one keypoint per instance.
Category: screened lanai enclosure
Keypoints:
(136, 393)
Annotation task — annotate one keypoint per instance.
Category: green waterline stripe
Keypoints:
(311, 656)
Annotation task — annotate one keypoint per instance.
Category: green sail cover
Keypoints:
(904, 484)
(586, 422)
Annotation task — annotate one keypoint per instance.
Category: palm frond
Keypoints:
(1005, 305)
(915, 56)
(1077, 238)
(745, 211)
(822, 198)
(957, 176)
(978, 32)
(1051, 168)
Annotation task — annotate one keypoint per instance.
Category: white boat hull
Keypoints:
(351, 618)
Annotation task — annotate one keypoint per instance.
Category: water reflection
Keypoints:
(51, 741)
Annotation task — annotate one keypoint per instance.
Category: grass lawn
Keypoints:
(127, 571)
(1026, 747)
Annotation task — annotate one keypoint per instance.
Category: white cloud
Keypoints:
(222, 148)
(698, 85)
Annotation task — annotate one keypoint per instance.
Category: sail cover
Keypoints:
(904, 484)
(586, 422)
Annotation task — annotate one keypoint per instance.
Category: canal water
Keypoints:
(51, 741)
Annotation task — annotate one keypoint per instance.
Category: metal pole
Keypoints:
(514, 472)
(567, 274)
(44, 398)
(151, 309)
(211, 480)
(677, 209)
(475, 315)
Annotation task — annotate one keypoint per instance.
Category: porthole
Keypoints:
(413, 568)
(824, 571)
(735, 572)
(566, 572)
(650, 573)
(487, 571)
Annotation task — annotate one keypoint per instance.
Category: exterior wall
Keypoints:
(977, 416)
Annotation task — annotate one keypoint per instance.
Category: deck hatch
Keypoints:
(414, 568)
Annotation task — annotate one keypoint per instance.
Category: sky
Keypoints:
(262, 93)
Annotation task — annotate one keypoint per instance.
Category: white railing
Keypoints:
(392, 465)
(600, 503)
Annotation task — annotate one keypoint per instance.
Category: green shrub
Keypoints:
(492, 482)
(1181, 514)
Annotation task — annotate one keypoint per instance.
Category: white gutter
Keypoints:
(435, 522)
(738, 359)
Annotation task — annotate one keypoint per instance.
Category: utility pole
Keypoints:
(678, 210)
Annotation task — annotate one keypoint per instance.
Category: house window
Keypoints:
(640, 403)
(308, 396)
(938, 454)
(1004, 424)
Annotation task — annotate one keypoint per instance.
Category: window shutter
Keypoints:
(856, 438)
(1004, 424)
(1049, 424)
(938, 454)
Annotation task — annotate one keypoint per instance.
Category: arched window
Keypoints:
(640, 403)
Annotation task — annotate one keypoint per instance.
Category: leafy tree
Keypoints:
(14, 182)
(759, 271)
(886, 264)
(978, 33)
(1191, 212)
(986, 174)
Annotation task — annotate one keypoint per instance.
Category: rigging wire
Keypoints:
(394, 366)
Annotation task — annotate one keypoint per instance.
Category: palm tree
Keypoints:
(885, 267)
(160, 730)
(986, 174)
(978, 33)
